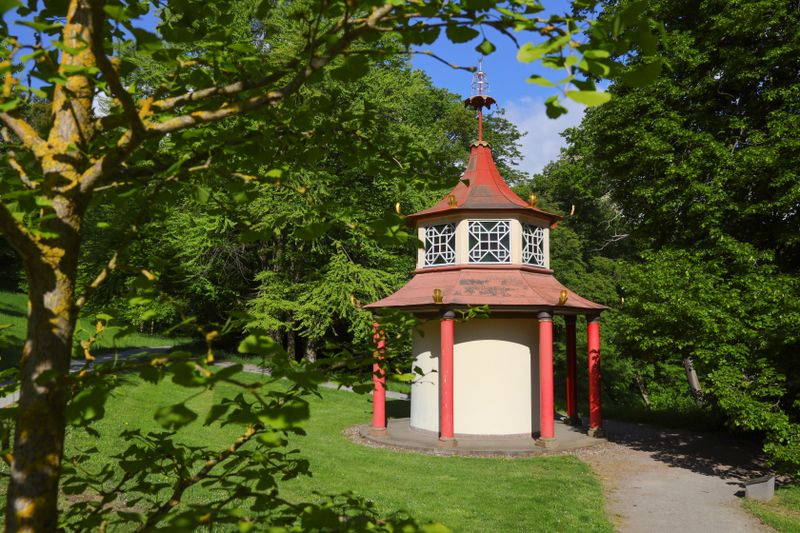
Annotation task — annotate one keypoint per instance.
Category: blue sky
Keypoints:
(523, 102)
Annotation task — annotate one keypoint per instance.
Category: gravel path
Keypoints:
(661, 480)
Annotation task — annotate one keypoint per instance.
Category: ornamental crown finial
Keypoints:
(480, 83)
(479, 94)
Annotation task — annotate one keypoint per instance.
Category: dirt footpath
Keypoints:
(661, 480)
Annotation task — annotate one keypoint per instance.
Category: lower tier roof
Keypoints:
(504, 287)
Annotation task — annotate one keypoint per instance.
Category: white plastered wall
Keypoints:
(496, 377)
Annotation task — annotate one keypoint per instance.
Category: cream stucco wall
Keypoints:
(496, 378)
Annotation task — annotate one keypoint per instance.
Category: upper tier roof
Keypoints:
(482, 187)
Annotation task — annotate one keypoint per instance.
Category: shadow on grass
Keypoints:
(12, 311)
(398, 408)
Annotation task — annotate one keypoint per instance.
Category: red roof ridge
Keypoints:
(481, 187)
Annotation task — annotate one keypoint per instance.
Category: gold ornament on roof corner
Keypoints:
(451, 201)
(397, 208)
(562, 298)
(532, 200)
(437, 296)
(572, 210)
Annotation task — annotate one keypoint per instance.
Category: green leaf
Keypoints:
(530, 52)
(354, 67)
(259, 344)
(174, 416)
(287, 416)
(216, 412)
(10, 105)
(486, 47)
(553, 107)
(7, 5)
(116, 12)
(596, 54)
(87, 406)
(461, 34)
(642, 74)
(589, 98)
(540, 80)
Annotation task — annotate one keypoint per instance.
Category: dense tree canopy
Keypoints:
(144, 109)
(691, 187)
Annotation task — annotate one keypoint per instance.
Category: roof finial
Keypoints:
(480, 96)
(480, 83)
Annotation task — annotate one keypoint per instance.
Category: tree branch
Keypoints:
(109, 73)
(109, 162)
(124, 242)
(201, 474)
(26, 134)
(271, 97)
(16, 234)
(11, 155)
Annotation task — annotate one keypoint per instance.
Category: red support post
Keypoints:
(546, 408)
(572, 372)
(595, 406)
(446, 410)
(379, 384)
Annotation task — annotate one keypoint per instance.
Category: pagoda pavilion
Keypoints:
(485, 246)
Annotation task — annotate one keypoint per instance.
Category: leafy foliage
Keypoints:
(690, 186)
(144, 110)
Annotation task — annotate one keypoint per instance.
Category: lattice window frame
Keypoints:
(440, 245)
(489, 245)
(533, 245)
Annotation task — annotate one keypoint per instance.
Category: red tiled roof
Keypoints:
(499, 287)
(482, 187)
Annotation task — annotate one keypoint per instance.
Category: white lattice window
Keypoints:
(489, 241)
(533, 245)
(440, 245)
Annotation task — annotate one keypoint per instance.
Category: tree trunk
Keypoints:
(691, 378)
(291, 343)
(32, 500)
(642, 391)
(310, 352)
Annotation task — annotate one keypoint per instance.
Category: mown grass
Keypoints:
(13, 312)
(782, 513)
(467, 494)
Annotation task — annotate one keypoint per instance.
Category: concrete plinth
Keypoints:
(548, 444)
(761, 488)
(400, 435)
(596, 433)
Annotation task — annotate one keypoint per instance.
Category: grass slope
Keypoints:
(782, 513)
(466, 494)
(13, 312)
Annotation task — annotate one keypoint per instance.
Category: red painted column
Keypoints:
(379, 383)
(546, 408)
(595, 407)
(572, 372)
(446, 410)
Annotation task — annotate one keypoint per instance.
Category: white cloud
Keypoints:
(543, 142)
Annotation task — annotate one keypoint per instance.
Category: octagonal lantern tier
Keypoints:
(484, 245)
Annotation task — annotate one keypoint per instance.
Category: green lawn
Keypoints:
(13, 311)
(466, 494)
(782, 513)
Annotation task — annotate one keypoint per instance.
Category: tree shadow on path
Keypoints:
(711, 454)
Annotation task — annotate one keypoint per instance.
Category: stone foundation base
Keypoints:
(547, 444)
(597, 433)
